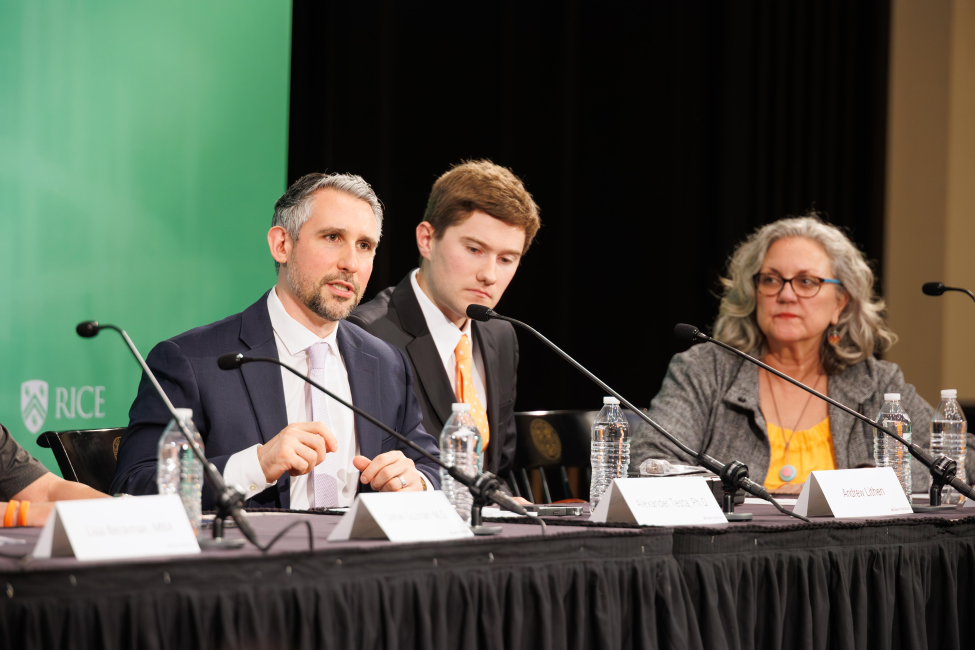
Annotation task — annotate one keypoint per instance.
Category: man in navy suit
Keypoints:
(282, 441)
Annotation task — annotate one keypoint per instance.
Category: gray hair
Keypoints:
(862, 325)
(293, 209)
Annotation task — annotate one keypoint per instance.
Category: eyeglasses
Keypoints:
(804, 286)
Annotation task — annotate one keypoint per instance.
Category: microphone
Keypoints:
(734, 475)
(88, 329)
(933, 288)
(484, 487)
(229, 499)
(481, 313)
(942, 468)
(938, 288)
(687, 332)
(230, 361)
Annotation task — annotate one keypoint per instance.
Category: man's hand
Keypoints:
(297, 450)
(389, 472)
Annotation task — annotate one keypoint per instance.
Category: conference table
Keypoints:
(774, 582)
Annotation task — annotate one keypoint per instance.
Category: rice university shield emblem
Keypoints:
(33, 404)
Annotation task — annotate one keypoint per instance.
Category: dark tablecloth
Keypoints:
(574, 588)
(773, 583)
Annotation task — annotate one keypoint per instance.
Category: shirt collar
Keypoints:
(445, 334)
(296, 337)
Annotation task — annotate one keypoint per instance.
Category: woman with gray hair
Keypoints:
(799, 295)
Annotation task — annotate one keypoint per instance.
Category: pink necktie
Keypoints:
(326, 483)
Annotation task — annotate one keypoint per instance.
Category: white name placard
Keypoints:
(843, 493)
(401, 517)
(115, 529)
(674, 501)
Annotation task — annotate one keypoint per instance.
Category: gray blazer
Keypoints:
(709, 400)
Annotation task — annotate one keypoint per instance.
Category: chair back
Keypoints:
(86, 456)
(556, 441)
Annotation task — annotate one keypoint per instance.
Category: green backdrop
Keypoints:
(142, 147)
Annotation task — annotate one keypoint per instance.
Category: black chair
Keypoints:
(552, 442)
(85, 456)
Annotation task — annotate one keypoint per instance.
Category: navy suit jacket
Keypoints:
(234, 410)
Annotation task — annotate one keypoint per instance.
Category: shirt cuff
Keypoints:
(244, 469)
(427, 485)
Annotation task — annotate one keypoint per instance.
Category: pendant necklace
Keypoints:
(788, 471)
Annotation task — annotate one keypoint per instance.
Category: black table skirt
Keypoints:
(581, 589)
(905, 583)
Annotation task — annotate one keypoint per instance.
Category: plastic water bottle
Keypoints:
(178, 471)
(610, 449)
(948, 431)
(887, 452)
(460, 446)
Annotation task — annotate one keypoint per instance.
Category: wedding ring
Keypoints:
(402, 481)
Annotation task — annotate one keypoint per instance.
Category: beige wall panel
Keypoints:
(917, 159)
(958, 327)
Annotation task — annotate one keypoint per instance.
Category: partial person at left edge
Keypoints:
(284, 442)
(27, 490)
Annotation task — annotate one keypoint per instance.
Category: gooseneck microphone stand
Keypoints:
(229, 499)
(734, 475)
(485, 487)
(942, 468)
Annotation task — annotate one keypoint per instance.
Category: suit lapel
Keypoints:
(263, 380)
(430, 374)
(362, 369)
(489, 355)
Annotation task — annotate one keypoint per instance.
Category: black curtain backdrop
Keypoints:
(653, 135)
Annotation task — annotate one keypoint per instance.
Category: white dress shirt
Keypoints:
(293, 340)
(446, 336)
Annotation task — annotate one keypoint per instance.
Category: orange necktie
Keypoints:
(465, 388)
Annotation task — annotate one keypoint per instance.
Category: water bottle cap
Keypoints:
(892, 397)
(460, 407)
(185, 414)
(949, 393)
(610, 400)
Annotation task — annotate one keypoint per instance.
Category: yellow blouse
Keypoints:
(809, 450)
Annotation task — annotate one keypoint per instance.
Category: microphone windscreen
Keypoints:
(933, 288)
(87, 329)
(479, 312)
(230, 361)
(686, 332)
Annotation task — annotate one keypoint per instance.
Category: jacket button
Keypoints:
(741, 399)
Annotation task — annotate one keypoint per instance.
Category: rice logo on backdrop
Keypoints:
(33, 404)
(83, 402)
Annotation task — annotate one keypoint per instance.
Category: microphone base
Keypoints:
(218, 541)
(941, 508)
(222, 544)
(477, 523)
(731, 477)
(484, 531)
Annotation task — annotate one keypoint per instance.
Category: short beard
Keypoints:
(315, 297)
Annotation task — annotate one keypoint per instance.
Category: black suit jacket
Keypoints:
(395, 317)
(234, 410)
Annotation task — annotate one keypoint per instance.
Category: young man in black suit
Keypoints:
(478, 223)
